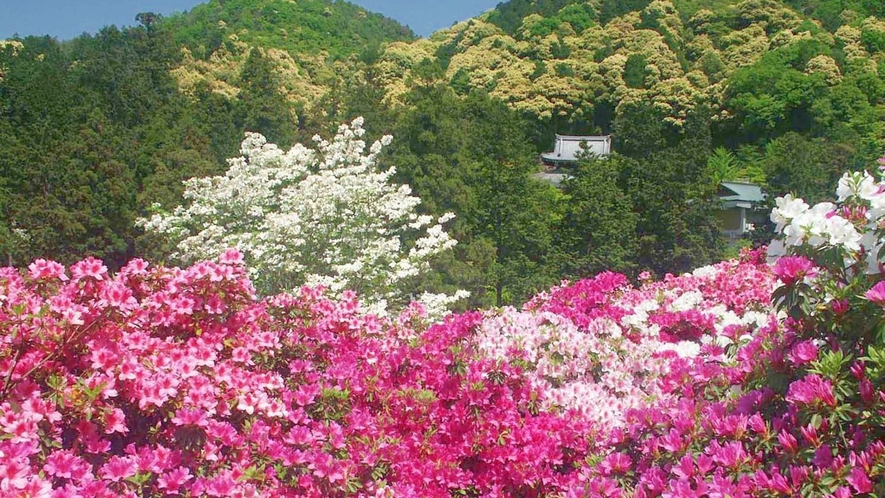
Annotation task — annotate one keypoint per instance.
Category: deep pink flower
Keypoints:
(788, 442)
(867, 391)
(810, 434)
(840, 306)
(802, 353)
(842, 492)
(858, 480)
(823, 456)
(877, 293)
(615, 463)
(776, 483)
(790, 269)
(811, 390)
(732, 455)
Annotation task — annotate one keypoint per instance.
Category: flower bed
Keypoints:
(181, 382)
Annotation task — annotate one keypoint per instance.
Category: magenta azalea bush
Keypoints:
(176, 382)
(744, 378)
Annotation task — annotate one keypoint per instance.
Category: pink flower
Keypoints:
(222, 485)
(118, 296)
(66, 464)
(877, 293)
(115, 421)
(89, 268)
(811, 390)
(44, 269)
(802, 353)
(190, 417)
(119, 468)
(173, 480)
(791, 269)
(231, 257)
(858, 480)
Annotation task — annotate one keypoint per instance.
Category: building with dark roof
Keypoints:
(566, 148)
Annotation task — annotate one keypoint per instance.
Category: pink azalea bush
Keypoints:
(165, 381)
(179, 382)
(739, 379)
(795, 407)
(600, 347)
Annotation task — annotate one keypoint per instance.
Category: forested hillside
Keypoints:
(762, 66)
(788, 94)
(94, 130)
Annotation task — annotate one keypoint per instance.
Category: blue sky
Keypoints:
(65, 19)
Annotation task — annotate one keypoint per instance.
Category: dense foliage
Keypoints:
(764, 69)
(339, 30)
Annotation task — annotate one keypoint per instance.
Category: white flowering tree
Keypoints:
(325, 216)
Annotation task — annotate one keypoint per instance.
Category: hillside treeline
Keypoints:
(95, 130)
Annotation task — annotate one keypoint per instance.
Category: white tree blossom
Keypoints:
(856, 225)
(325, 216)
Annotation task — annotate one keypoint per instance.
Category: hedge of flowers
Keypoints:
(743, 378)
(794, 408)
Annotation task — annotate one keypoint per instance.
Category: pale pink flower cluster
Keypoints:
(609, 357)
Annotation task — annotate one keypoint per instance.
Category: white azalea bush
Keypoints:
(850, 230)
(325, 216)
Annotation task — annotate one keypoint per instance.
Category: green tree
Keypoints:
(473, 157)
(806, 167)
(722, 165)
(598, 229)
(671, 192)
(263, 108)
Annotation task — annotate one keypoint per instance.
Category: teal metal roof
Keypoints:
(741, 192)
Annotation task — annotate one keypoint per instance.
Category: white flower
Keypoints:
(687, 301)
(787, 209)
(809, 226)
(685, 349)
(857, 184)
(842, 232)
(324, 216)
(776, 249)
(705, 271)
